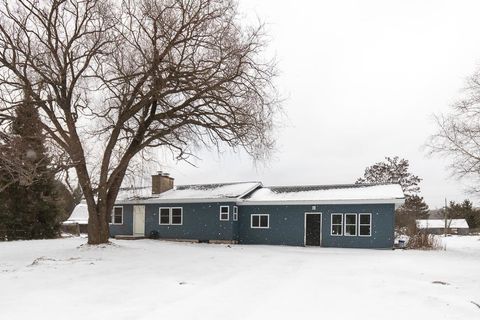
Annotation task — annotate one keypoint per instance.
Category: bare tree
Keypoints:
(458, 133)
(112, 81)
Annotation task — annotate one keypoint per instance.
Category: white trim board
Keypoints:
(176, 201)
(239, 202)
(398, 202)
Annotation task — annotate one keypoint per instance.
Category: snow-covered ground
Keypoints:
(148, 279)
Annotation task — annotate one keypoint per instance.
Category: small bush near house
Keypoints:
(423, 241)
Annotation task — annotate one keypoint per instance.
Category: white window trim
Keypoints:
(349, 224)
(160, 216)
(259, 220)
(336, 224)
(113, 216)
(227, 213)
(364, 224)
(235, 213)
(171, 216)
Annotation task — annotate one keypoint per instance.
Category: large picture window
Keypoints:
(350, 224)
(117, 215)
(337, 224)
(224, 213)
(170, 216)
(365, 224)
(260, 221)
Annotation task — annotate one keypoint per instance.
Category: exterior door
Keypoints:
(139, 220)
(313, 229)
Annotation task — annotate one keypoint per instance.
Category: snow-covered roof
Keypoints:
(126, 193)
(79, 214)
(358, 193)
(199, 193)
(440, 223)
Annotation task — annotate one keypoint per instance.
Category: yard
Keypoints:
(147, 279)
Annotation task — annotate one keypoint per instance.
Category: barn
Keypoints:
(353, 215)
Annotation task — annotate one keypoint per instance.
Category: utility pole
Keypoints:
(446, 218)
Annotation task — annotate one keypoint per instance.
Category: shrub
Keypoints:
(423, 241)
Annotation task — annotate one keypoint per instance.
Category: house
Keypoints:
(78, 221)
(356, 215)
(437, 226)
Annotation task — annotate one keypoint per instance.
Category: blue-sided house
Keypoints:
(353, 216)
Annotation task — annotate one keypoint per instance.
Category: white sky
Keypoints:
(362, 80)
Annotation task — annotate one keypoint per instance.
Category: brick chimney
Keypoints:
(161, 182)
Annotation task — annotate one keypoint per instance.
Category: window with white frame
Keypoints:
(235, 213)
(170, 216)
(260, 221)
(350, 224)
(365, 224)
(224, 213)
(164, 216)
(117, 215)
(177, 216)
(337, 224)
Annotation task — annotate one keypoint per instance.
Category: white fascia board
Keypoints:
(174, 201)
(397, 202)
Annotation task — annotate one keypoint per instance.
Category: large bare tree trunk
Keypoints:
(175, 74)
(98, 231)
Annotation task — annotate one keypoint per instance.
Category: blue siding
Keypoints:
(201, 221)
(287, 225)
(127, 226)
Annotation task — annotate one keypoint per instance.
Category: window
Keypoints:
(164, 215)
(365, 224)
(117, 215)
(337, 224)
(260, 221)
(235, 213)
(171, 216)
(176, 216)
(350, 224)
(224, 213)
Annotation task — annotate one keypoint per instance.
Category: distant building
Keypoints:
(78, 220)
(437, 226)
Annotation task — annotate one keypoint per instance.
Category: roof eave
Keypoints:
(396, 201)
(166, 201)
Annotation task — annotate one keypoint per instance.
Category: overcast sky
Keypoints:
(362, 80)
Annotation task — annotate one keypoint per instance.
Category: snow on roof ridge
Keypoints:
(334, 186)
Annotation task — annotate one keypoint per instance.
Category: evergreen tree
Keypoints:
(464, 210)
(29, 202)
(396, 170)
(414, 206)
